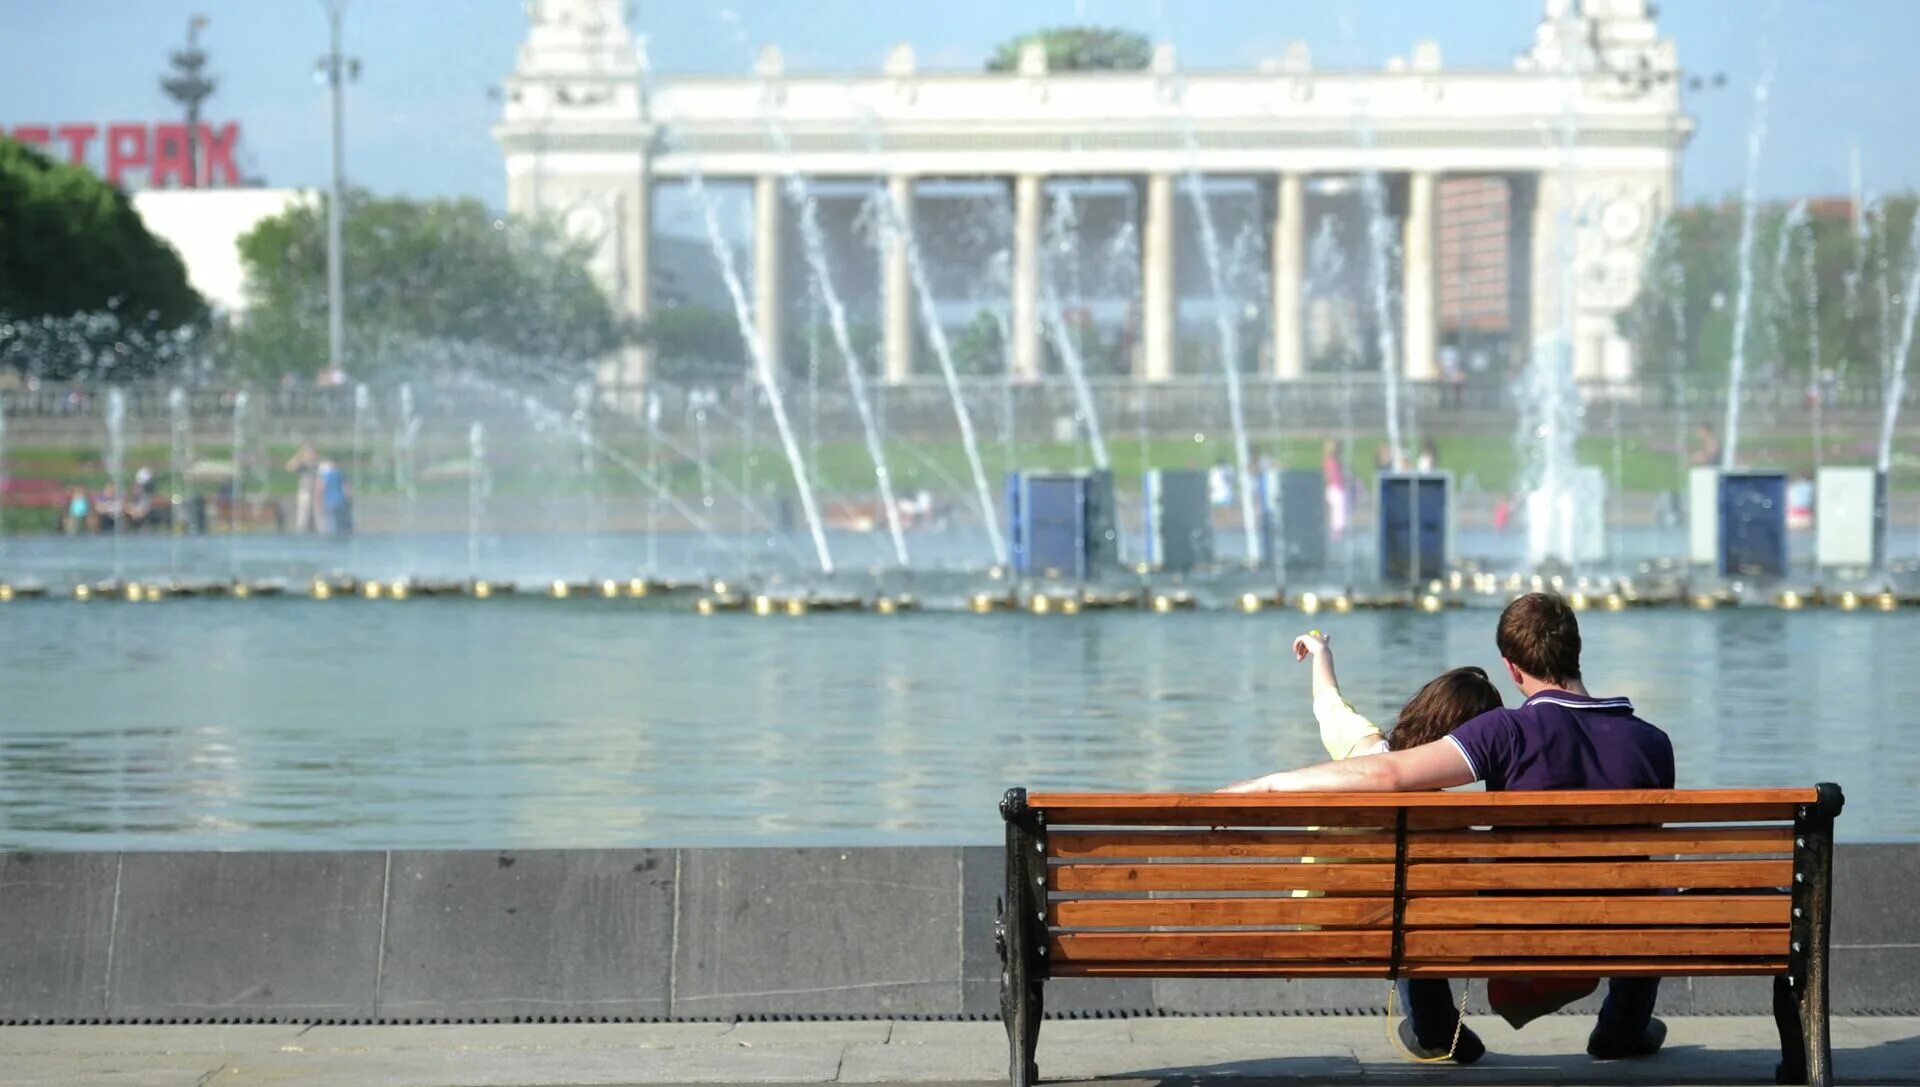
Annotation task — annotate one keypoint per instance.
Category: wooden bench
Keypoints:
(1568, 884)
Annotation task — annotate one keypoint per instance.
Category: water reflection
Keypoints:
(292, 724)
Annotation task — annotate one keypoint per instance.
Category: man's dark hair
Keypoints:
(1539, 635)
(1444, 704)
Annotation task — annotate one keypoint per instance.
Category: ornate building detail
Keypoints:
(1589, 113)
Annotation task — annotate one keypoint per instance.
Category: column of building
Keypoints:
(897, 284)
(1420, 325)
(1025, 323)
(636, 236)
(1289, 242)
(769, 225)
(1157, 303)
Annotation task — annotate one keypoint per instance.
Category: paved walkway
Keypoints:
(1154, 1051)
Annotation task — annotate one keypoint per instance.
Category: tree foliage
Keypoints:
(695, 344)
(1078, 49)
(84, 286)
(440, 272)
(1833, 290)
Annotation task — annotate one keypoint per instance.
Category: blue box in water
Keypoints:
(1061, 524)
(1416, 528)
(1753, 523)
(1293, 519)
(1179, 519)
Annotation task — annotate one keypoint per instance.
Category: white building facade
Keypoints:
(1585, 129)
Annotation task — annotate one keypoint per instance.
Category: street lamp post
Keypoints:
(189, 86)
(336, 69)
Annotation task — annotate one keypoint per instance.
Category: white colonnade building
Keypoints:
(1583, 133)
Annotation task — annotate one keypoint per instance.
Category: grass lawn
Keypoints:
(1485, 462)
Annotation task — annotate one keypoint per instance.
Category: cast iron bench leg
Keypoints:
(1793, 1045)
(1020, 1010)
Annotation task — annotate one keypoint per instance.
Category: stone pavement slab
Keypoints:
(1159, 1051)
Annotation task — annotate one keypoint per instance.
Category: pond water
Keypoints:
(290, 723)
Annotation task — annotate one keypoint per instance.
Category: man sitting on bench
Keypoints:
(1561, 737)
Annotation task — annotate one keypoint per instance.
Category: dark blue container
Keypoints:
(1415, 530)
(1293, 518)
(1753, 523)
(1061, 524)
(1179, 518)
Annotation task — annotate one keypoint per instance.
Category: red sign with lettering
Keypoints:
(159, 149)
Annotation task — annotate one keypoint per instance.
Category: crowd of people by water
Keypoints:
(322, 503)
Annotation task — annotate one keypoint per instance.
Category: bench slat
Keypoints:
(1595, 875)
(1622, 815)
(1356, 969)
(1203, 912)
(1274, 878)
(1572, 807)
(1202, 946)
(1358, 845)
(1431, 944)
(1603, 910)
(1757, 966)
(1597, 842)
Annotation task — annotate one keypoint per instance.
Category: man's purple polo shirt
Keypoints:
(1559, 740)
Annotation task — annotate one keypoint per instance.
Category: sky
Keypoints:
(418, 120)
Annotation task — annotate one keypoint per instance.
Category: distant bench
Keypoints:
(1575, 885)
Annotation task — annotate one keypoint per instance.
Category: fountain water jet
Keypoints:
(898, 229)
(1060, 229)
(652, 411)
(1326, 270)
(117, 466)
(1226, 327)
(763, 370)
(180, 463)
(1550, 419)
(1381, 248)
(3, 471)
(238, 482)
(1743, 304)
(479, 485)
(813, 243)
(363, 418)
(1894, 383)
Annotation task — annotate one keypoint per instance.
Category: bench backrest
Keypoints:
(1612, 883)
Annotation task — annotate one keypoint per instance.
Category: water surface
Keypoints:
(291, 723)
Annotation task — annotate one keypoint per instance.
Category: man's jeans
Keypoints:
(1429, 1004)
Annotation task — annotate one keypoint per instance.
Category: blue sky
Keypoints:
(418, 119)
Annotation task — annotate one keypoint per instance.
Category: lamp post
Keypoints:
(336, 69)
(189, 87)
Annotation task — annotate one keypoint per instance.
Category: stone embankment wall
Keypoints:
(624, 934)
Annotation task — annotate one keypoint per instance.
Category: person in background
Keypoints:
(1800, 499)
(1706, 450)
(138, 509)
(1220, 484)
(1451, 371)
(108, 508)
(79, 516)
(336, 500)
(305, 500)
(1429, 458)
(1334, 472)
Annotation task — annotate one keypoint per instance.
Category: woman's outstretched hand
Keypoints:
(1312, 643)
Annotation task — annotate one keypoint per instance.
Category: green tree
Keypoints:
(978, 348)
(1682, 321)
(84, 287)
(1078, 49)
(695, 344)
(441, 281)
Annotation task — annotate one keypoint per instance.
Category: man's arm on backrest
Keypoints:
(1437, 765)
